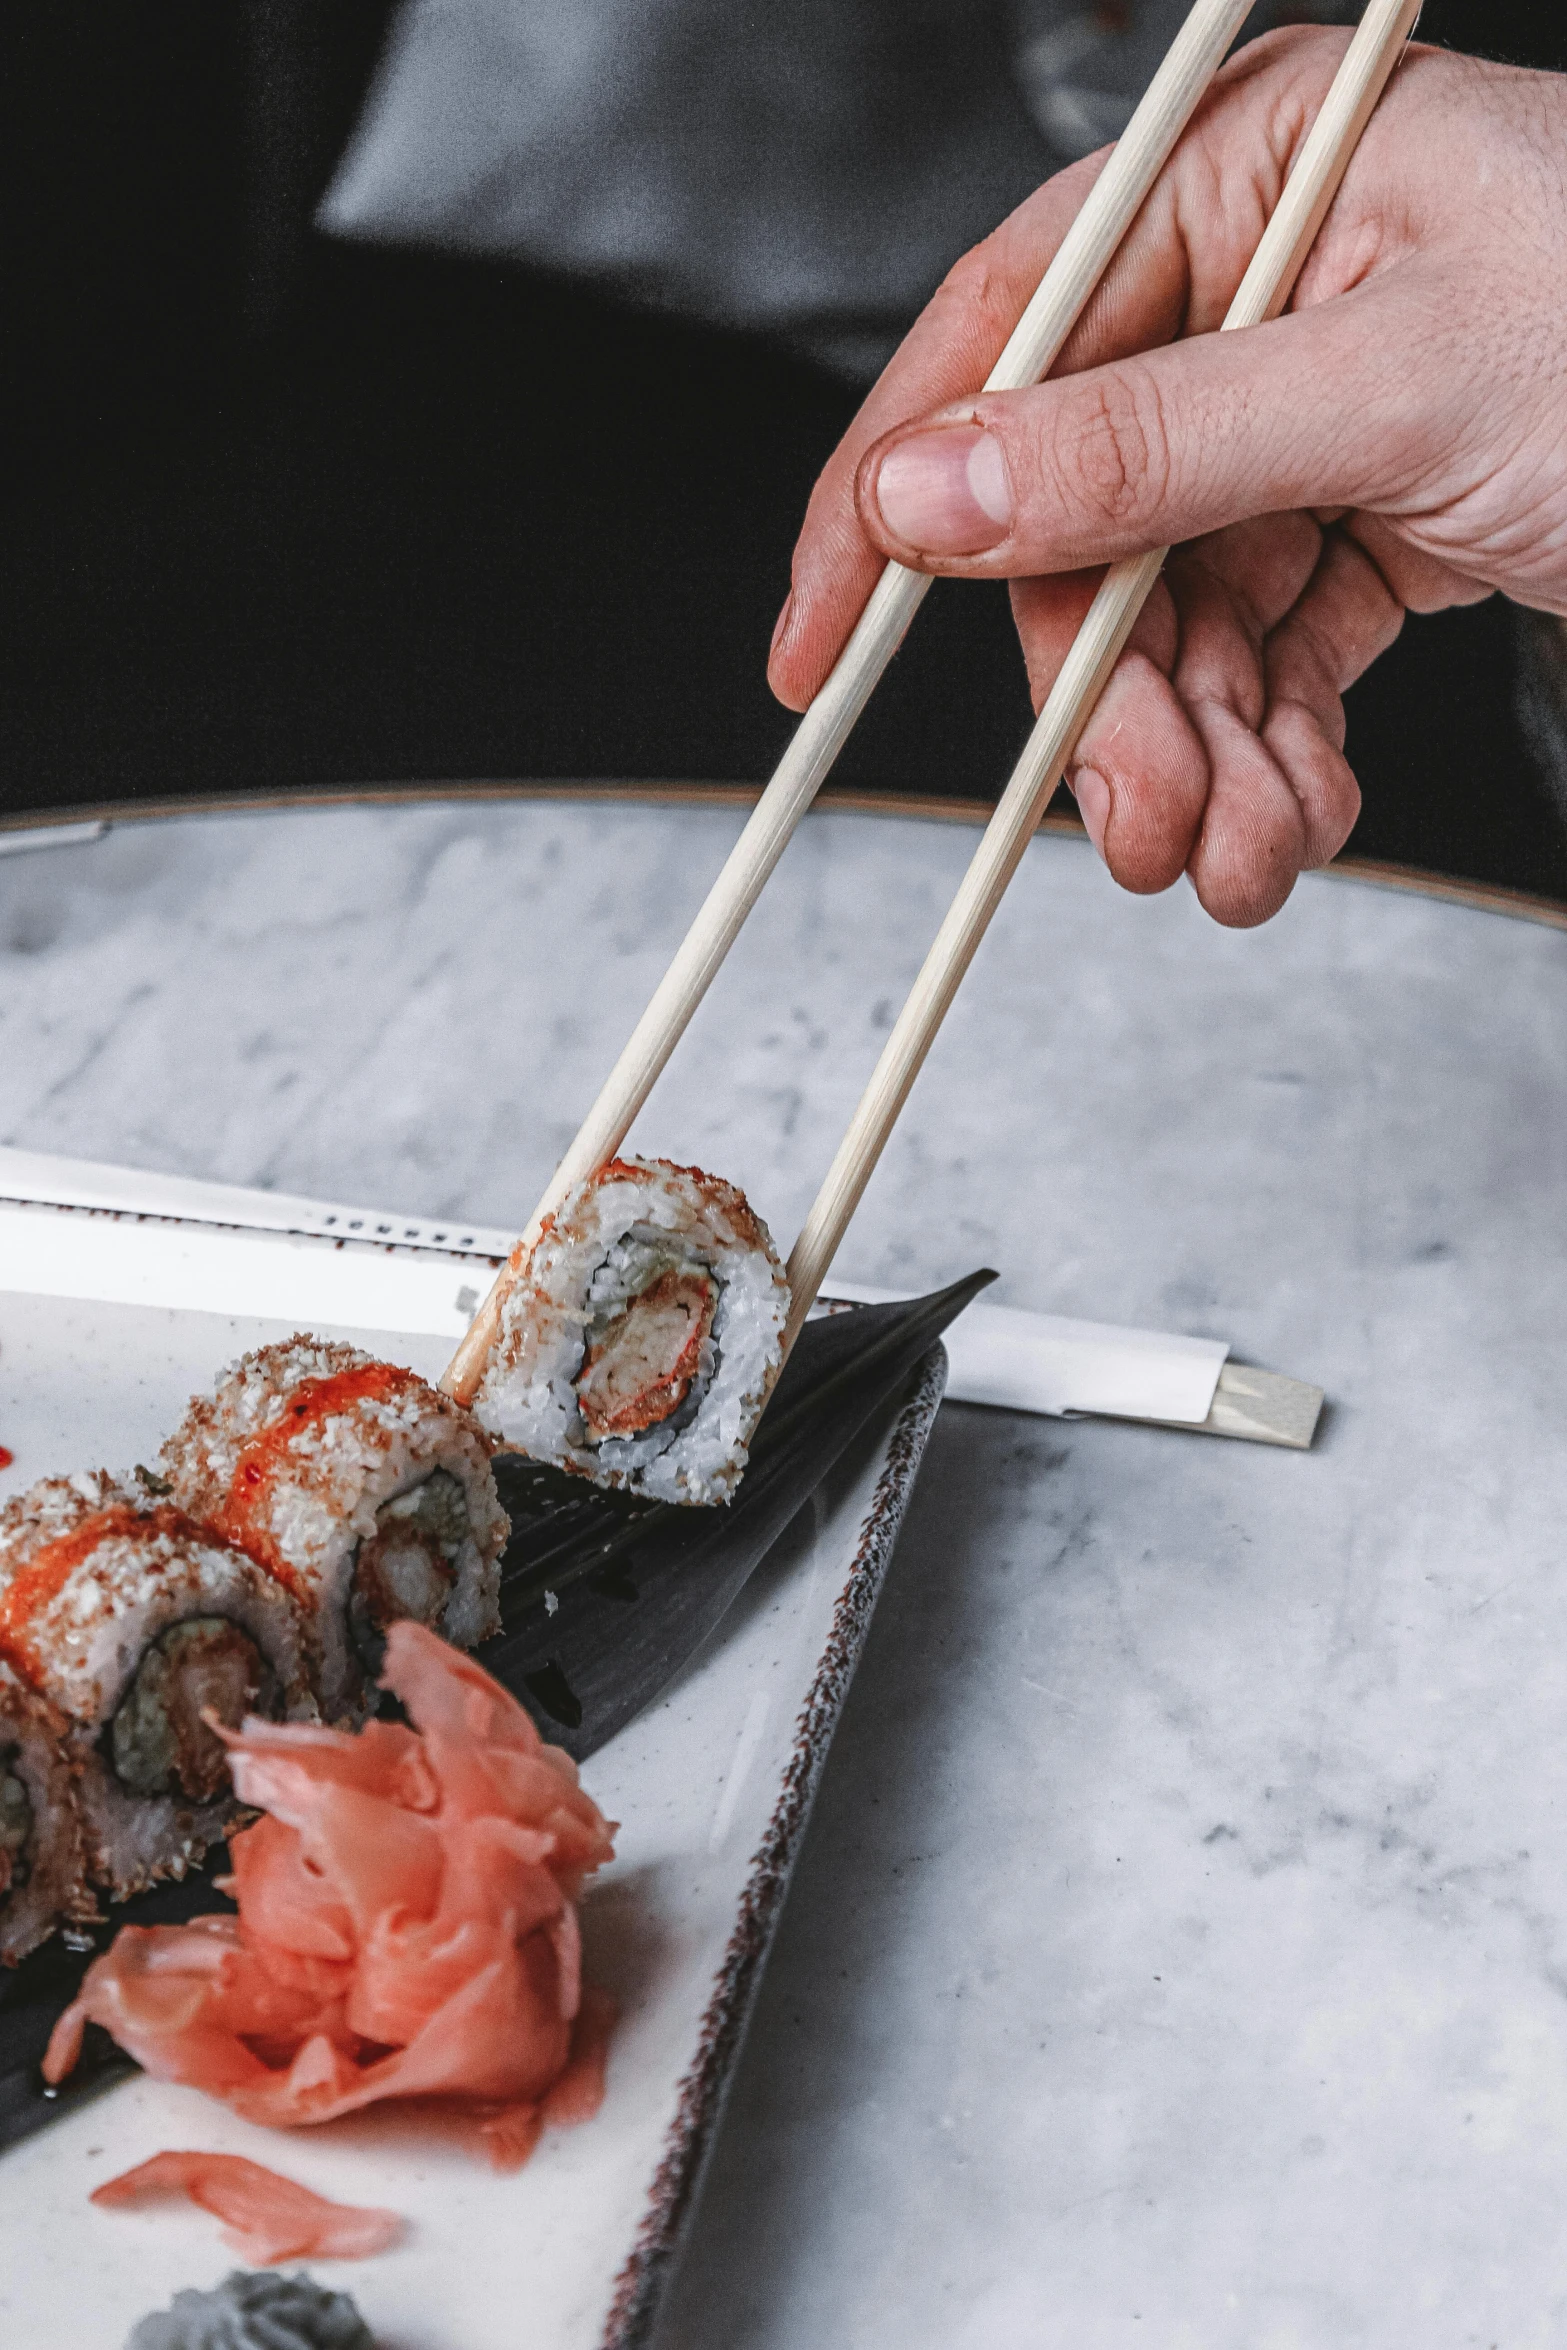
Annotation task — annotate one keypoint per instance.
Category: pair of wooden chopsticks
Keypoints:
(1036, 342)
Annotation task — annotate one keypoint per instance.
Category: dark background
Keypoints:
(284, 512)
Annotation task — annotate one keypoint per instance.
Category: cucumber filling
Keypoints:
(161, 1745)
(408, 1566)
(16, 1827)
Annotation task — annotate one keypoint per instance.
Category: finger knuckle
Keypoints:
(977, 288)
(1324, 783)
(1113, 454)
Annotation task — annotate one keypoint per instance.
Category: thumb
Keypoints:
(1334, 406)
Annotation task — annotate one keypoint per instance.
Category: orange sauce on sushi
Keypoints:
(50, 1568)
(255, 1472)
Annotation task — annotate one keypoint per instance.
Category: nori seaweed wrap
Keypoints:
(366, 1492)
(134, 1623)
(43, 1856)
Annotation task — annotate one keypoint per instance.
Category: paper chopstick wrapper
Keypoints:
(221, 1248)
(1047, 1363)
(1051, 1364)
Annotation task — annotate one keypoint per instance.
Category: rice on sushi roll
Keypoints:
(641, 1334)
(43, 1856)
(366, 1492)
(133, 1622)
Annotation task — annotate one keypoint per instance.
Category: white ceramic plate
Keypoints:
(712, 1789)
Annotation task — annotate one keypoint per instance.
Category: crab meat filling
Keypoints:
(641, 1360)
(161, 1744)
(408, 1566)
(16, 1827)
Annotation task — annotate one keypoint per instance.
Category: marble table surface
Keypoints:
(1179, 1955)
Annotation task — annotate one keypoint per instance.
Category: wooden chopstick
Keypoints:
(1111, 206)
(1375, 50)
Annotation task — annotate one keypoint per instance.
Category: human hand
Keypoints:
(1396, 442)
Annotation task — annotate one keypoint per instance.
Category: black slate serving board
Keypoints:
(637, 1587)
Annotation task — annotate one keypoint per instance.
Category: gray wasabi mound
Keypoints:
(255, 2310)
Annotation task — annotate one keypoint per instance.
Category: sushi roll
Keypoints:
(43, 1861)
(366, 1492)
(641, 1334)
(134, 1623)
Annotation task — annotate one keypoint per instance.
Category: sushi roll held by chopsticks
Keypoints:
(43, 1857)
(362, 1489)
(135, 1625)
(641, 1333)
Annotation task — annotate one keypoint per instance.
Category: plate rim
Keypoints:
(674, 2197)
(1482, 897)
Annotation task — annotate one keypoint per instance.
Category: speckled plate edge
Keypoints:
(677, 2182)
